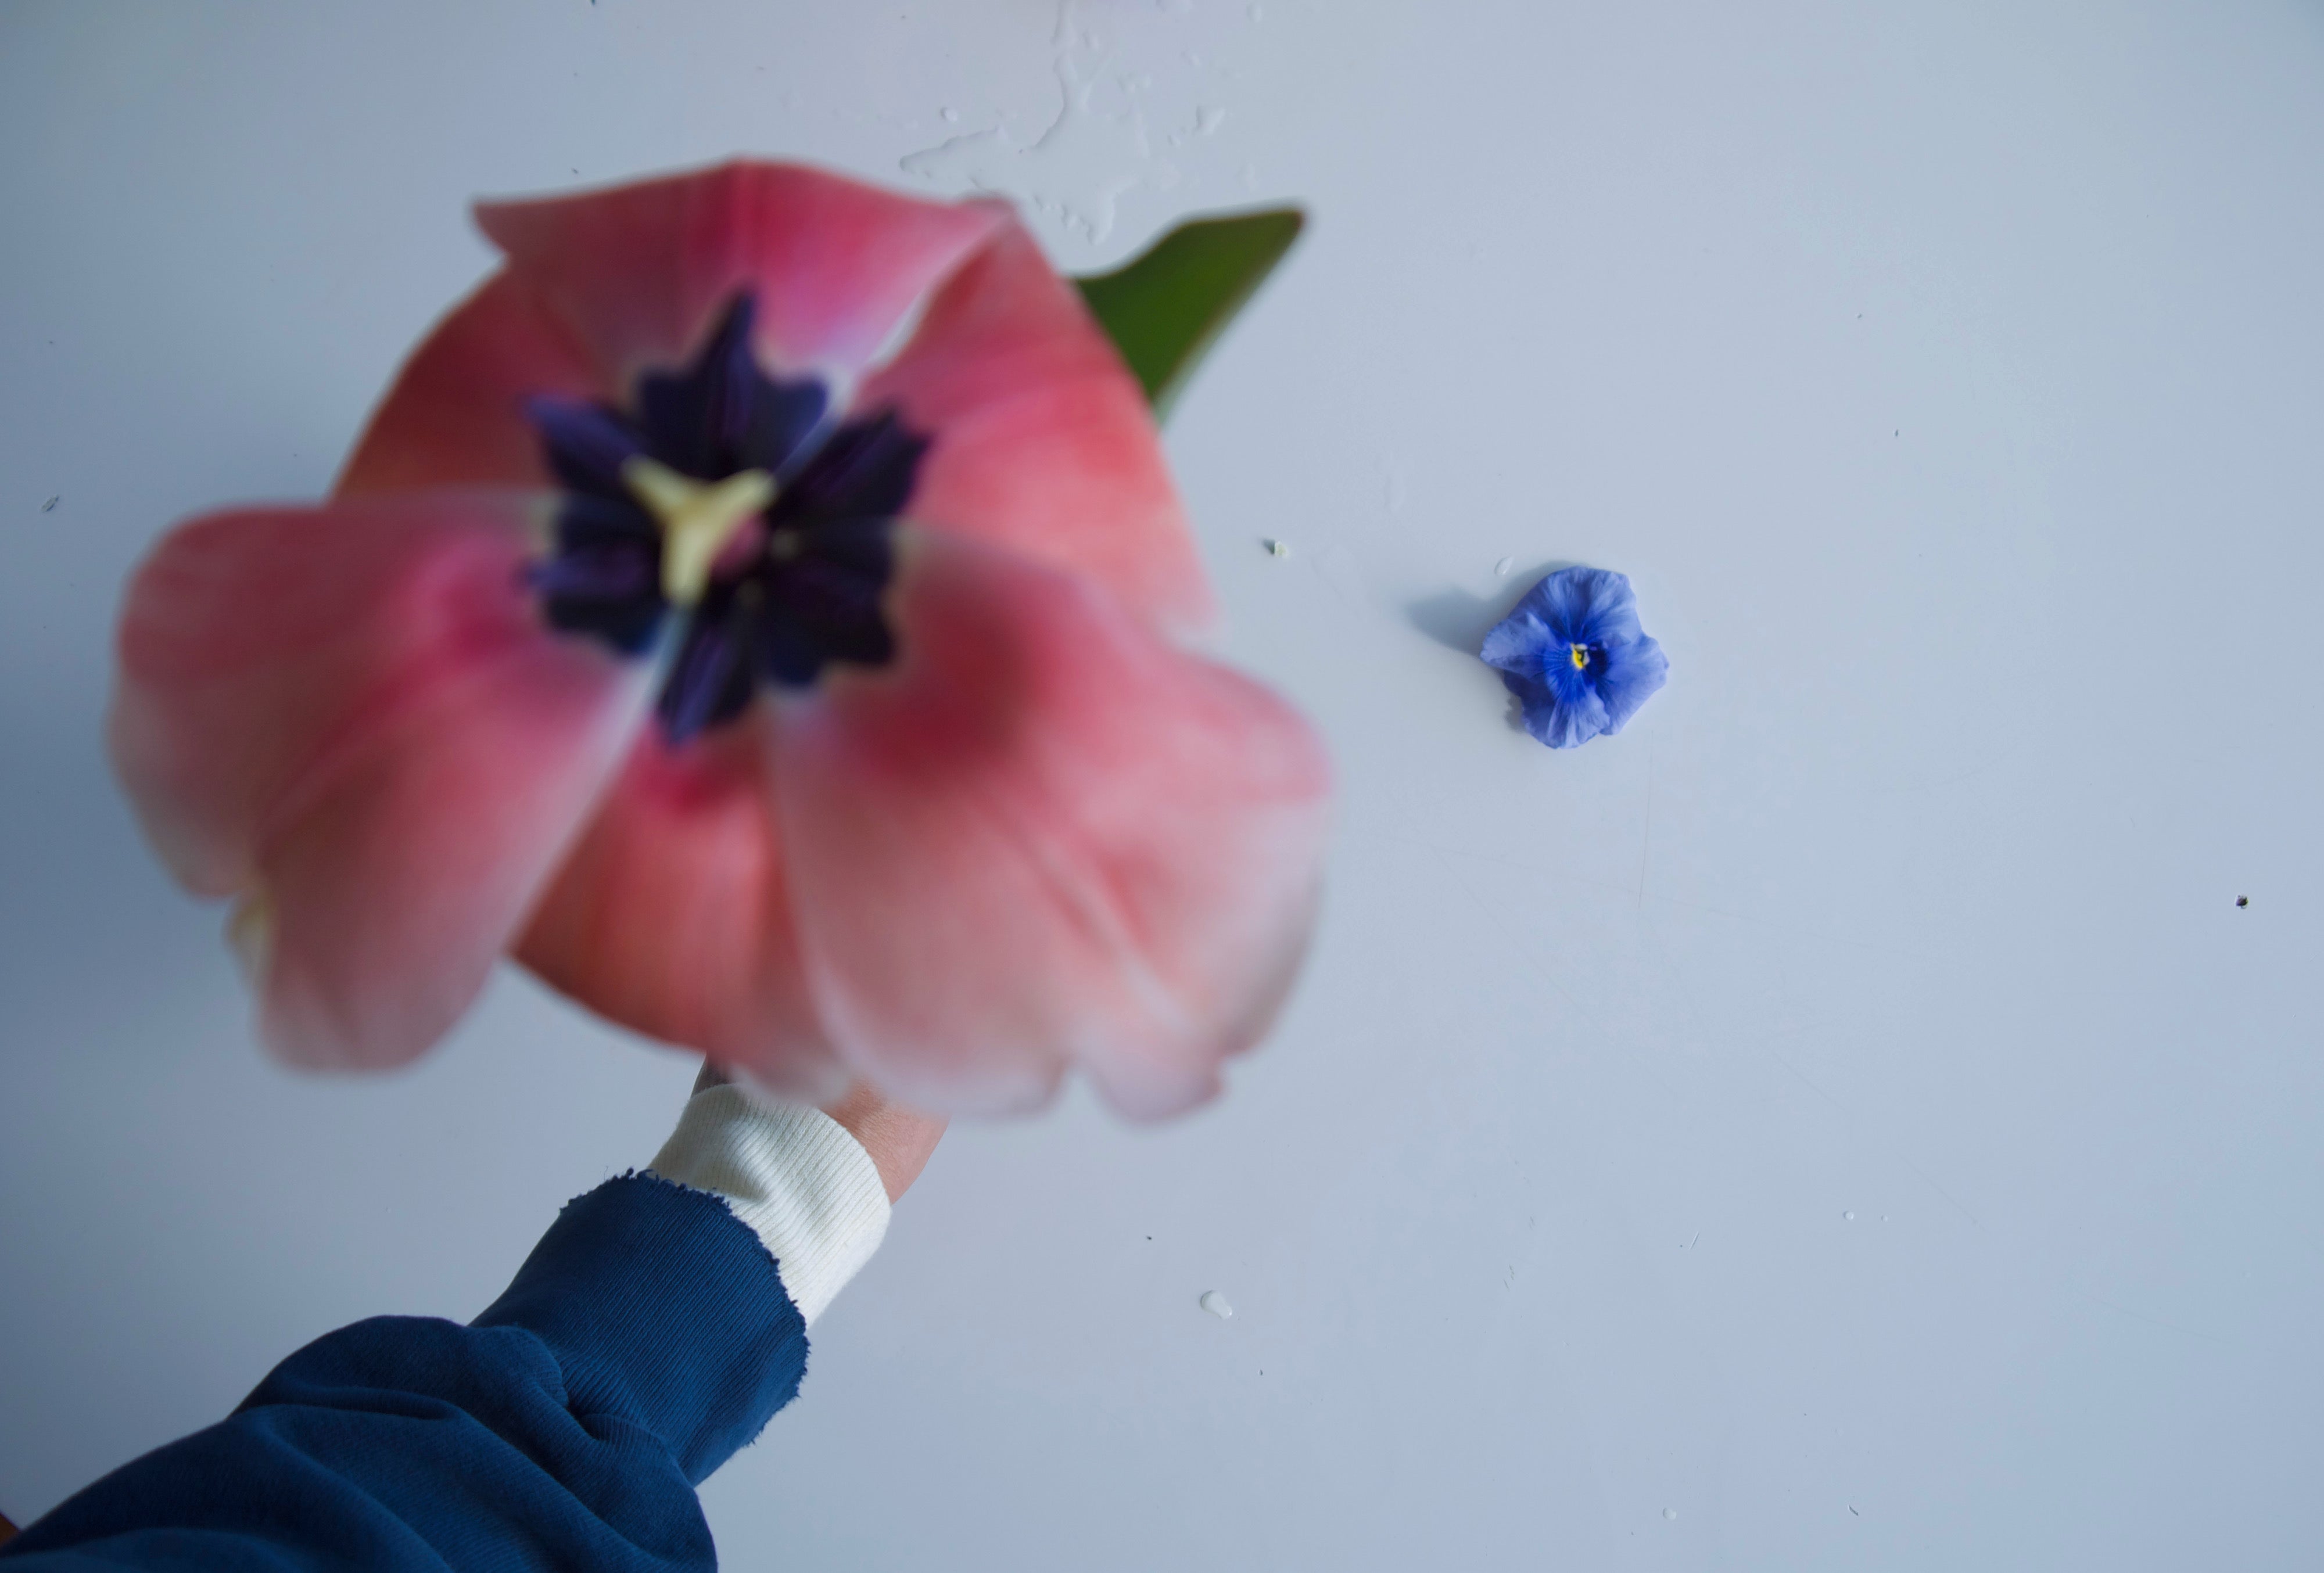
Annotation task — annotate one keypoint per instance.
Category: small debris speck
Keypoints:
(1851, 1508)
(50, 507)
(1216, 1304)
(2240, 900)
(1277, 548)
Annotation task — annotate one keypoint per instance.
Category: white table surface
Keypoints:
(1848, 1111)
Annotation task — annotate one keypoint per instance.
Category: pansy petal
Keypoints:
(456, 413)
(670, 915)
(1586, 606)
(1519, 642)
(1563, 716)
(1634, 673)
(1042, 441)
(1043, 834)
(354, 718)
(640, 272)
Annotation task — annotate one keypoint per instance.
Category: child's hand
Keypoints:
(898, 1139)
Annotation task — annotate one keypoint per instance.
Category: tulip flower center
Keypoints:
(697, 519)
(725, 521)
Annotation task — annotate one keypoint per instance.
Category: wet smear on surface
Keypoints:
(1088, 157)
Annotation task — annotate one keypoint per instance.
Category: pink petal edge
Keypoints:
(1043, 440)
(352, 717)
(1044, 836)
(637, 272)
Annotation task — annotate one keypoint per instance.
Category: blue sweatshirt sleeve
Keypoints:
(646, 1339)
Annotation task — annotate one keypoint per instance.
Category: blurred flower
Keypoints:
(1574, 655)
(755, 608)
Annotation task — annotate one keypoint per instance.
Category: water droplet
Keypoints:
(1848, 1216)
(1502, 569)
(1257, 12)
(1209, 118)
(1670, 1515)
(951, 115)
(1216, 1304)
(1250, 177)
(50, 507)
(1277, 548)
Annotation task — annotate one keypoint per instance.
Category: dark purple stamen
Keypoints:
(808, 596)
(587, 444)
(707, 667)
(864, 472)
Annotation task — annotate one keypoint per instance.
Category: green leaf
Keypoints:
(1165, 309)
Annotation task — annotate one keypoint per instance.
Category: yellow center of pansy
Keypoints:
(1579, 655)
(697, 519)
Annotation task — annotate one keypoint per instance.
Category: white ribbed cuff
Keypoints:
(805, 1186)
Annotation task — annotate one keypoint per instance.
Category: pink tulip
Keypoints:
(756, 609)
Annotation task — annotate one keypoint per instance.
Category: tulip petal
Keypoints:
(1043, 442)
(670, 913)
(638, 272)
(354, 718)
(1043, 835)
(456, 413)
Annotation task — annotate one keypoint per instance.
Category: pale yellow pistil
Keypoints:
(1579, 655)
(697, 519)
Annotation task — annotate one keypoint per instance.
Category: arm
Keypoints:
(651, 1334)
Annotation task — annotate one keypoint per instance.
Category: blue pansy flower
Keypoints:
(1574, 655)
